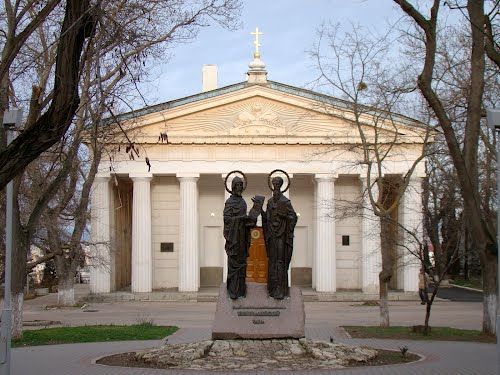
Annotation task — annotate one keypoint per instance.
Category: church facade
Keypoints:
(159, 226)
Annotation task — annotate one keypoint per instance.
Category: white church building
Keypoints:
(160, 227)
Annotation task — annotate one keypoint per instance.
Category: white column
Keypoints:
(412, 217)
(100, 268)
(325, 256)
(371, 256)
(189, 271)
(142, 254)
(315, 229)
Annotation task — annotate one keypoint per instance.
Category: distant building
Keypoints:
(36, 273)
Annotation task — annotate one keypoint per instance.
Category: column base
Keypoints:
(370, 289)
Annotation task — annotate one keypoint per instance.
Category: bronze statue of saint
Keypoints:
(279, 223)
(237, 225)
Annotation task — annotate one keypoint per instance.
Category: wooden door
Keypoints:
(257, 257)
(123, 193)
(390, 188)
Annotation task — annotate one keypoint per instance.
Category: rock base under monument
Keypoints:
(258, 316)
(264, 355)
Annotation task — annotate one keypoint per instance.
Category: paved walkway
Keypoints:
(322, 320)
(460, 294)
(441, 358)
(467, 315)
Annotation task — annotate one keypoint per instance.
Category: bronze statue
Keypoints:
(279, 223)
(237, 226)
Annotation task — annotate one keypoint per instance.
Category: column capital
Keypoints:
(102, 177)
(416, 179)
(141, 176)
(193, 176)
(373, 175)
(364, 181)
(325, 176)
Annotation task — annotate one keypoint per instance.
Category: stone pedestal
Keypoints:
(258, 316)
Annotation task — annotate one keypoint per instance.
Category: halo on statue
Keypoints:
(270, 178)
(244, 178)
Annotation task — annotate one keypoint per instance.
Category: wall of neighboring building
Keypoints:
(348, 223)
(165, 229)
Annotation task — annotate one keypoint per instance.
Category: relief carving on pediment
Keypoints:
(257, 118)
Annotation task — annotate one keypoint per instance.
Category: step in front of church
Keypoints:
(209, 294)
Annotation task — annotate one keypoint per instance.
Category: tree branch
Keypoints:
(51, 126)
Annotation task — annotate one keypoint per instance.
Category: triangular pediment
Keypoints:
(257, 114)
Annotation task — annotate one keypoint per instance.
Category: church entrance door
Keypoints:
(257, 257)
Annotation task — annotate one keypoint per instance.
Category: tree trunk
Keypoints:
(428, 308)
(66, 290)
(65, 269)
(427, 317)
(489, 293)
(78, 25)
(465, 161)
(384, 301)
(17, 315)
(385, 274)
(20, 247)
(466, 253)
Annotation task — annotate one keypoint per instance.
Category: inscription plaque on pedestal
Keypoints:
(258, 316)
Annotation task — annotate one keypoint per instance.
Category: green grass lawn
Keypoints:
(69, 335)
(437, 333)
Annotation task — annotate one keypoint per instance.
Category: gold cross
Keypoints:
(256, 42)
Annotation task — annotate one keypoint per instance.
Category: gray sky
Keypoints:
(289, 28)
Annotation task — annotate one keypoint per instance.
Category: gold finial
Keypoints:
(256, 42)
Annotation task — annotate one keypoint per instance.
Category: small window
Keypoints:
(345, 240)
(167, 247)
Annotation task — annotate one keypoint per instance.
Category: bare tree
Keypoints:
(130, 35)
(126, 42)
(77, 26)
(352, 65)
(462, 141)
(140, 26)
(443, 207)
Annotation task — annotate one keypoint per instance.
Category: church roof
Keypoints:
(281, 87)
